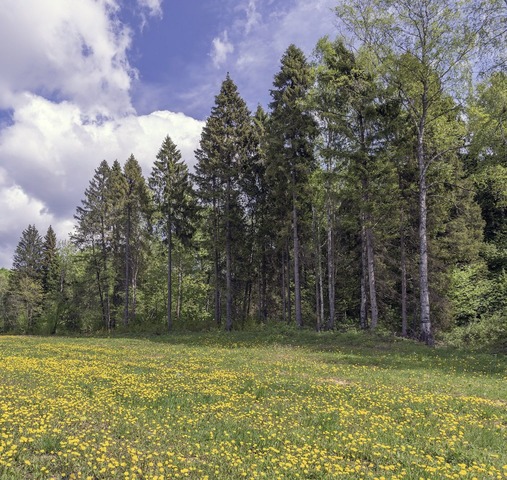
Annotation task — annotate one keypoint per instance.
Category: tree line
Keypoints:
(371, 192)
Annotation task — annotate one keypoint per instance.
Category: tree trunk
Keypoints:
(331, 279)
(297, 284)
(218, 319)
(169, 275)
(287, 280)
(371, 278)
(426, 332)
(180, 289)
(363, 315)
(127, 270)
(284, 300)
(404, 321)
(228, 262)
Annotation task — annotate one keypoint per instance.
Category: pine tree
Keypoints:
(292, 131)
(172, 195)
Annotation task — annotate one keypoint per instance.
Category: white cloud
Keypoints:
(66, 50)
(50, 153)
(221, 48)
(154, 7)
(67, 89)
(253, 17)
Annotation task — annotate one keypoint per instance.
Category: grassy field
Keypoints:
(245, 405)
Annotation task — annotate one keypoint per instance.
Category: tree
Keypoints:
(136, 211)
(226, 144)
(172, 196)
(25, 282)
(50, 262)
(292, 130)
(93, 235)
(422, 46)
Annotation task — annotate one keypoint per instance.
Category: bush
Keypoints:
(489, 333)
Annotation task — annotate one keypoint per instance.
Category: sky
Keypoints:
(85, 81)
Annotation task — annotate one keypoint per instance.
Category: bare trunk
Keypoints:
(331, 280)
(135, 273)
(404, 320)
(371, 278)
(363, 316)
(180, 289)
(218, 319)
(127, 270)
(169, 275)
(426, 332)
(287, 279)
(284, 299)
(228, 263)
(297, 284)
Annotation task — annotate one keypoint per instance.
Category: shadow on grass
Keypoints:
(378, 350)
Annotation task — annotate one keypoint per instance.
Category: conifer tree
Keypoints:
(136, 211)
(93, 235)
(25, 282)
(50, 262)
(226, 143)
(292, 131)
(173, 198)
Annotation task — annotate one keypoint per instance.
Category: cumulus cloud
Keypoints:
(65, 105)
(51, 150)
(221, 48)
(78, 52)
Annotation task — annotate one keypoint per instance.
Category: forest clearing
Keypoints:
(285, 404)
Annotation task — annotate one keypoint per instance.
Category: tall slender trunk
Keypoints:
(426, 331)
(134, 275)
(264, 287)
(287, 280)
(371, 278)
(127, 269)
(218, 319)
(180, 288)
(331, 278)
(284, 299)
(297, 284)
(319, 289)
(169, 274)
(99, 285)
(403, 260)
(363, 315)
(228, 261)
(105, 278)
(321, 284)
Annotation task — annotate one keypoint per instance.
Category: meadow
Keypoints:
(249, 405)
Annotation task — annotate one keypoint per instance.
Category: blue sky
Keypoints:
(101, 79)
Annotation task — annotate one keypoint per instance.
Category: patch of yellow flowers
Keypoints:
(132, 409)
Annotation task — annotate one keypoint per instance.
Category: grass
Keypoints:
(249, 405)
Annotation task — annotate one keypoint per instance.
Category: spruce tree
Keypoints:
(50, 262)
(25, 282)
(292, 132)
(93, 235)
(135, 218)
(173, 199)
(226, 144)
